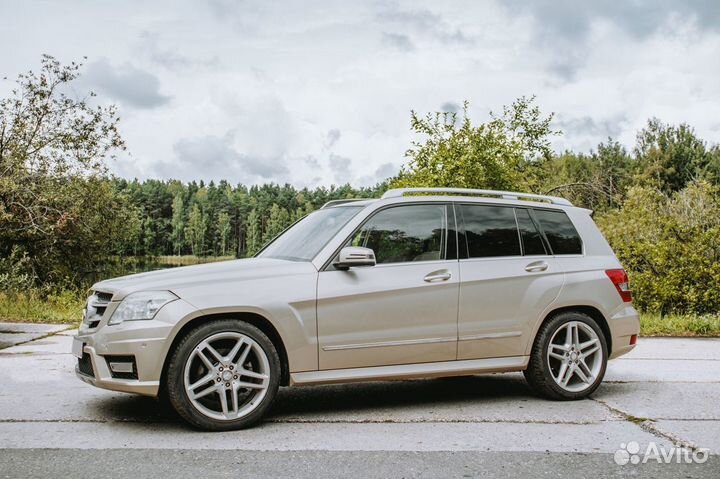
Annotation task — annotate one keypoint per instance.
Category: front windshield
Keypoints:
(304, 240)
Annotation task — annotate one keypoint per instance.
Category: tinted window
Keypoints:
(531, 238)
(560, 232)
(490, 231)
(405, 233)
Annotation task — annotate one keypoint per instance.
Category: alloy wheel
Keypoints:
(575, 356)
(226, 376)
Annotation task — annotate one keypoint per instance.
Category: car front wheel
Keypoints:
(223, 375)
(569, 357)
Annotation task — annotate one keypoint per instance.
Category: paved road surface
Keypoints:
(667, 392)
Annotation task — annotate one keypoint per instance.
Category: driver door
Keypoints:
(404, 309)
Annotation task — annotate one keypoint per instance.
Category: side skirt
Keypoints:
(407, 371)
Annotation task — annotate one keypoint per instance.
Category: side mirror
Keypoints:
(351, 256)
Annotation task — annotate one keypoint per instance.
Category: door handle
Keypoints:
(440, 275)
(536, 266)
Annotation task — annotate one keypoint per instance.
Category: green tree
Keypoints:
(669, 157)
(279, 220)
(195, 230)
(55, 204)
(253, 235)
(224, 228)
(178, 224)
(670, 245)
(502, 153)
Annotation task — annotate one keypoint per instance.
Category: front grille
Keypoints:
(95, 308)
(85, 365)
(104, 297)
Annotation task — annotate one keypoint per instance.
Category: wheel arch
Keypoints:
(257, 320)
(591, 311)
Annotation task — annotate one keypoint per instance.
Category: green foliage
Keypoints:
(503, 153)
(278, 221)
(597, 181)
(679, 325)
(253, 240)
(195, 230)
(670, 244)
(56, 207)
(672, 156)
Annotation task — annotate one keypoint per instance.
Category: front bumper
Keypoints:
(146, 341)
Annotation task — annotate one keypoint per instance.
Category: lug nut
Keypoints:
(235, 377)
(218, 379)
(231, 368)
(227, 385)
(220, 368)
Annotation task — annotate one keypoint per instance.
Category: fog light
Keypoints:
(121, 367)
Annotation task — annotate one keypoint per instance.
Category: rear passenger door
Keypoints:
(508, 278)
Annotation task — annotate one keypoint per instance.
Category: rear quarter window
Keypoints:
(559, 231)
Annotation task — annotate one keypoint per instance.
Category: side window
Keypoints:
(490, 231)
(559, 231)
(531, 238)
(405, 233)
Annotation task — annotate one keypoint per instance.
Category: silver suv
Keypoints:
(424, 282)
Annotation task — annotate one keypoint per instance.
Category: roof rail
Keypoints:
(340, 202)
(508, 195)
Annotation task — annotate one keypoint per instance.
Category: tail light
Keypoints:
(619, 278)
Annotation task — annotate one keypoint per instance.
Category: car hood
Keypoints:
(181, 278)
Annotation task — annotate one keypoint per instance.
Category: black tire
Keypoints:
(175, 381)
(539, 374)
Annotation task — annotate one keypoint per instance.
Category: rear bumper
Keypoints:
(623, 325)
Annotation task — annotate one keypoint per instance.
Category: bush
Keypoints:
(670, 245)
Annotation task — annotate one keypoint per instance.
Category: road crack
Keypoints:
(648, 425)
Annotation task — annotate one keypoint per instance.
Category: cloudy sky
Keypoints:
(319, 92)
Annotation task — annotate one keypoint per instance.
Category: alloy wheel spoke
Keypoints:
(588, 344)
(586, 369)
(208, 390)
(252, 374)
(212, 351)
(243, 356)
(553, 351)
(581, 374)
(244, 384)
(234, 402)
(576, 336)
(231, 355)
(561, 373)
(203, 357)
(565, 379)
(201, 381)
(569, 334)
(223, 402)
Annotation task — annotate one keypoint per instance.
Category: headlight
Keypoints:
(141, 305)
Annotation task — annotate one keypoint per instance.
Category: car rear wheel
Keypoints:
(569, 357)
(223, 375)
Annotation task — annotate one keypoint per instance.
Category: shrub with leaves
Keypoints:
(670, 246)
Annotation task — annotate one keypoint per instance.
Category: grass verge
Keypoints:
(31, 307)
(680, 325)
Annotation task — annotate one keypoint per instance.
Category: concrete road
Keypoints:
(664, 395)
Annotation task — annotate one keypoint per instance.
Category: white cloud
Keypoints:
(320, 92)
